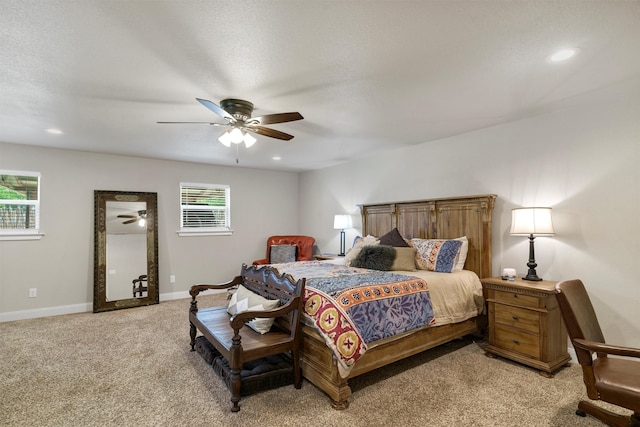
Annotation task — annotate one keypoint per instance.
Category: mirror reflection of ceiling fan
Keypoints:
(140, 218)
(237, 114)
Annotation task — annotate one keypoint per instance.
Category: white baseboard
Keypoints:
(72, 309)
(174, 295)
(45, 312)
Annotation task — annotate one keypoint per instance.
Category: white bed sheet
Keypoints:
(455, 297)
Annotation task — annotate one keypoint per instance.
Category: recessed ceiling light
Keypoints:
(54, 131)
(277, 158)
(564, 54)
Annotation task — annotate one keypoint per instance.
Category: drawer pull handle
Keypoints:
(515, 317)
(516, 342)
(515, 295)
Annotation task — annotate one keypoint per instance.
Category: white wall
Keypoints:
(583, 161)
(60, 265)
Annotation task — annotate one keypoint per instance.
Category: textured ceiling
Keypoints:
(366, 75)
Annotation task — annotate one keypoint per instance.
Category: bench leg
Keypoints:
(297, 370)
(235, 389)
(192, 333)
(236, 366)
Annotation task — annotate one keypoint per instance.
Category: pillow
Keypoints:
(245, 300)
(436, 254)
(375, 257)
(405, 259)
(282, 253)
(462, 255)
(394, 238)
(357, 246)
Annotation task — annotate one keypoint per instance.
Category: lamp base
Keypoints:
(343, 247)
(531, 274)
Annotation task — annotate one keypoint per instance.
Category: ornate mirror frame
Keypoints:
(100, 300)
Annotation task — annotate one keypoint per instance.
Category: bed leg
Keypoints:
(340, 405)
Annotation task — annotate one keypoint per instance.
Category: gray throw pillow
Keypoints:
(376, 257)
(282, 253)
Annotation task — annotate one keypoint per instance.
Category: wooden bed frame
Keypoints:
(446, 218)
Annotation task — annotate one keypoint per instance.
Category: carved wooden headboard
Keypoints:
(446, 218)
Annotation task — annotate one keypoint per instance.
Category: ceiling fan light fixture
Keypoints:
(249, 140)
(236, 135)
(225, 139)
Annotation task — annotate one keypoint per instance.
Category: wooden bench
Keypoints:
(238, 343)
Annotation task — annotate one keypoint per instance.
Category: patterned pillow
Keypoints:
(245, 300)
(462, 254)
(282, 253)
(436, 254)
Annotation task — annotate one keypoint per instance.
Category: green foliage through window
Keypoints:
(19, 200)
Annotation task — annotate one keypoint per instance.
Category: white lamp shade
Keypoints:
(526, 221)
(340, 222)
(249, 140)
(225, 139)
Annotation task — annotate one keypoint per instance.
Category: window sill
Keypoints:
(21, 236)
(191, 233)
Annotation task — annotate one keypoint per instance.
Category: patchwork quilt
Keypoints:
(351, 306)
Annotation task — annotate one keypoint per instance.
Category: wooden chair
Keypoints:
(139, 285)
(303, 243)
(238, 343)
(611, 379)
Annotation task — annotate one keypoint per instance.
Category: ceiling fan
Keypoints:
(237, 114)
(139, 218)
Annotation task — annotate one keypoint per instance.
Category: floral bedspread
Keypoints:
(351, 307)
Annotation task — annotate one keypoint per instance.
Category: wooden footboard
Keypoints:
(319, 366)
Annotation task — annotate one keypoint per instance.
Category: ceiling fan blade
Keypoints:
(127, 216)
(270, 119)
(216, 109)
(193, 123)
(260, 130)
(131, 221)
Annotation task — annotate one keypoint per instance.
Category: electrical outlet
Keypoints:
(33, 292)
(172, 279)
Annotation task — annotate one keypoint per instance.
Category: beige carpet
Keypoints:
(133, 368)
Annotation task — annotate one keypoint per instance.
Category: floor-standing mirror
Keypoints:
(126, 250)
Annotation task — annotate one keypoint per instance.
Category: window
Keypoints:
(19, 205)
(204, 209)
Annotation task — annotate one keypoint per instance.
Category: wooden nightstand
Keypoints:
(525, 324)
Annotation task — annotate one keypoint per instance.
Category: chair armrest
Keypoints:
(201, 287)
(239, 319)
(262, 261)
(606, 348)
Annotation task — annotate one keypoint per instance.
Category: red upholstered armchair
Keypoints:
(303, 253)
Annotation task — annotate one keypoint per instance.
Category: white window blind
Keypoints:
(204, 207)
(19, 203)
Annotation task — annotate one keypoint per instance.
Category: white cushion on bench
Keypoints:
(245, 300)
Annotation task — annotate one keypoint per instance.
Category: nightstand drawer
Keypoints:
(520, 318)
(517, 299)
(515, 340)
